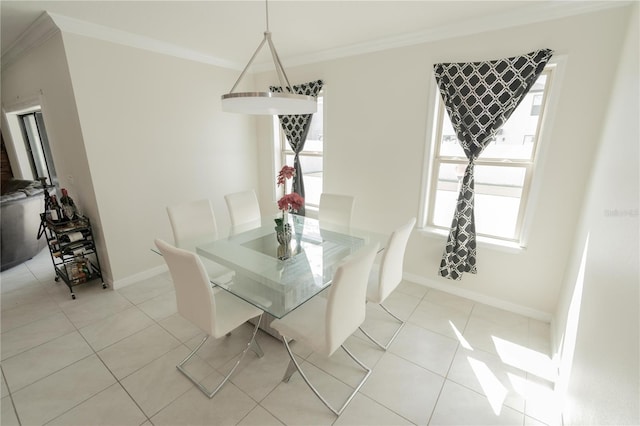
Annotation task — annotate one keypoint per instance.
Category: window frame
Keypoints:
(530, 187)
(36, 145)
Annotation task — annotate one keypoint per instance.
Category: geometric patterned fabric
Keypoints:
(296, 128)
(479, 98)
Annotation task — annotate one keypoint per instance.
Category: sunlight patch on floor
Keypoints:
(461, 339)
(493, 389)
(525, 359)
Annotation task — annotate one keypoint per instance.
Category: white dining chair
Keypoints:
(335, 210)
(243, 207)
(194, 222)
(384, 280)
(215, 313)
(324, 324)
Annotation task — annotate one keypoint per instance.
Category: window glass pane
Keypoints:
(34, 146)
(497, 197)
(312, 175)
(537, 104)
(509, 141)
(310, 157)
(497, 201)
(449, 178)
(449, 145)
(312, 145)
(315, 135)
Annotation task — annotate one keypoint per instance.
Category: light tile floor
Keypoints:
(109, 358)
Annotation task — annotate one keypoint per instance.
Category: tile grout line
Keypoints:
(341, 381)
(116, 378)
(523, 411)
(103, 363)
(181, 343)
(40, 284)
(15, 410)
(458, 350)
(420, 299)
(94, 352)
(112, 373)
(446, 376)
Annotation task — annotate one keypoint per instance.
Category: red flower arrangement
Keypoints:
(287, 172)
(291, 201)
(288, 202)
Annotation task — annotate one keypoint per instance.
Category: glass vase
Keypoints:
(283, 235)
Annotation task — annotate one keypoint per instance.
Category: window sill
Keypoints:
(491, 243)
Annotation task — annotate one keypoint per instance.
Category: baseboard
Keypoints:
(132, 279)
(481, 298)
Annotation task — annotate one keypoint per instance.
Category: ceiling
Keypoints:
(231, 30)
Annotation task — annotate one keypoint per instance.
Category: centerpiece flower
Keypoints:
(287, 203)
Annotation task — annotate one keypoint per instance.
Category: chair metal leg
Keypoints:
(291, 368)
(380, 345)
(253, 345)
(293, 363)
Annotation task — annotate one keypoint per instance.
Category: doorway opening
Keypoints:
(37, 146)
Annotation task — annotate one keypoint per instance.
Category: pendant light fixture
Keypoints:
(268, 103)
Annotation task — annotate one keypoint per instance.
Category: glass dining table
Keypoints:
(280, 286)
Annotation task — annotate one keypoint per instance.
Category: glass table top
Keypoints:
(279, 286)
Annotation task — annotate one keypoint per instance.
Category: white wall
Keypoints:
(154, 135)
(376, 124)
(147, 132)
(600, 356)
(41, 77)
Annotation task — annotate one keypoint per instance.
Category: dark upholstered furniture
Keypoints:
(21, 203)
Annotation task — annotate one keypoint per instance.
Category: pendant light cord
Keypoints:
(282, 75)
(268, 103)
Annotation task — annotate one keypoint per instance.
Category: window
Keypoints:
(536, 104)
(37, 146)
(310, 157)
(503, 172)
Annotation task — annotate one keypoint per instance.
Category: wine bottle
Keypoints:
(71, 237)
(48, 211)
(68, 206)
(56, 212)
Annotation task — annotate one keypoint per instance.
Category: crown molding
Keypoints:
(41, 30)
(49, 24)
(101, 32)
(534, 13)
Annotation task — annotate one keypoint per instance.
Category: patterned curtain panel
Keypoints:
(479, 97)
(296, 128)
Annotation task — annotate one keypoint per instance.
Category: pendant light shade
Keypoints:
(268, 103)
